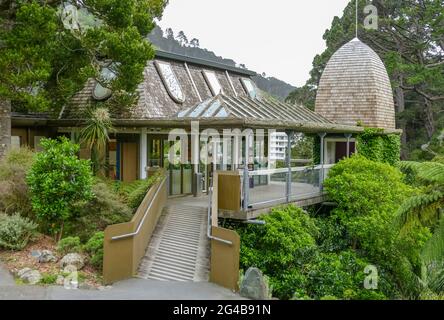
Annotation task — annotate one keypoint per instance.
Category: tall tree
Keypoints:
(182, 38)
(410, 41)
(49, 48)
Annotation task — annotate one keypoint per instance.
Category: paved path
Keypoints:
(132, 289)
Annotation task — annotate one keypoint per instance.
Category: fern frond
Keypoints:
(431, 171)
(420, 207)
(434, 248)
(409, 165)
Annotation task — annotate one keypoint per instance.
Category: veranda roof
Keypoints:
(225, 106)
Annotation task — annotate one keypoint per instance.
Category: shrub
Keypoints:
(48, 279)
(15, 231)
(286, 240)
(368, 195)
(94, 247)
(57, 180)
(13, 188)
(69, 245)
(104, 209)
(340, 276)
(137, 194)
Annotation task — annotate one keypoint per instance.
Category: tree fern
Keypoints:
(426, 208)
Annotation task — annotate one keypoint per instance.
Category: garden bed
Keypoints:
(14, 261)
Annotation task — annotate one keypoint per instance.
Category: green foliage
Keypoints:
(425, 207)
(69, 245)
(13, 188)
(95, 136)
(325, 257)
(44, 61)
(304, 96)
(289, 249)
(57, 180)
(105, 208)
(48, 279)
(94, 247)
(368, 195)
(15, 231)
(376, 146)
(276, 247)
(339, 275)
(140, 189)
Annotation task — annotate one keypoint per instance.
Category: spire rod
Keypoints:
(356, 18)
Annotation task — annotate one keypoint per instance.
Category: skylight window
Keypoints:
(101, 92)
(249, 87)
(213, 82)
(170, 81)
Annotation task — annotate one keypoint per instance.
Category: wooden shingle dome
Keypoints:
(355, 88)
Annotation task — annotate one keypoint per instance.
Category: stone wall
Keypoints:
(5, 126)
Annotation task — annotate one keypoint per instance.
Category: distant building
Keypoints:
(278, 147)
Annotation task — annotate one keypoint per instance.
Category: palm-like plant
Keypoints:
(95, 135)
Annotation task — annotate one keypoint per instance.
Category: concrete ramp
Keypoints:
(179, 249)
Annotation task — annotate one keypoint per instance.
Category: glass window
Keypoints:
(213, 82)
(37, 146)
(249, 87)
(170, 81)
(15, 142)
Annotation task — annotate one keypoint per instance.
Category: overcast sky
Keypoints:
(278, 37)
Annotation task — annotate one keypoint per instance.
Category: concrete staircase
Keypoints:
(179, 249)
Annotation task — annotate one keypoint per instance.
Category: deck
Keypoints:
(262, 199)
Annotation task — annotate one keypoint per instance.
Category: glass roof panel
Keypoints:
(213, 82)
(222, 113)
(199, 109)
(249, 87)
(212, 109)
(183, 113)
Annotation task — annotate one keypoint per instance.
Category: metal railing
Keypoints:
(280, 184)
(209, 223)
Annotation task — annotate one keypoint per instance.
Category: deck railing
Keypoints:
(281, 186)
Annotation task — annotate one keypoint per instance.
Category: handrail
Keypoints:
(132, 234)
(285, 170)
(209, 225)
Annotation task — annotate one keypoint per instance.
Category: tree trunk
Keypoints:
(400, 108)
(5, 126)
(429, 118)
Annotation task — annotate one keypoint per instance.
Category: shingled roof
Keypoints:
(355, 87)
(154, 99)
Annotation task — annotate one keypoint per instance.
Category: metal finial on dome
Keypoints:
(356, 26)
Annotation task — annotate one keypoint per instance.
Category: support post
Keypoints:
(348, 136)
(288, 160)
(246, 180)
(321, 172)
(143, 156)
(5, 126)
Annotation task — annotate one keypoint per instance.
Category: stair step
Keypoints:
(175, 252)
